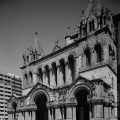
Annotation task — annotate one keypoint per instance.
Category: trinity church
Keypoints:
(76, 82)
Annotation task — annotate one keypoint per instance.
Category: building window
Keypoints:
(72, 66)
(98, 53)
(87, 57)
(91, 25)
(31, 77)
(26, 79)
(54, 72)
(40, 75)
(47, 74)
(62, 69)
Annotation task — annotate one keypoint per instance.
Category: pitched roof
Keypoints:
(94, 6)
(56, 46)
(35, 46)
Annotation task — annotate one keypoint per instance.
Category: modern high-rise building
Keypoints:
(9, 84)
(78, 81)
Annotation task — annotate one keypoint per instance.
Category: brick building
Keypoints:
(9, 84)
(76, 82)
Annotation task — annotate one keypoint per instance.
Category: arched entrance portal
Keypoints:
(42, 112)
(82, 109)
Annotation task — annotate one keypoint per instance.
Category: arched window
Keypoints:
(62, 69)
(91, 26)
(54, 71)
(31, 77)
(47, 74)
(98, 53)
(26, 79)
(40, 75)
(88, 57)
(72, 66)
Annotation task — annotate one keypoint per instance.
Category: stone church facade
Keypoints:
(76, 82)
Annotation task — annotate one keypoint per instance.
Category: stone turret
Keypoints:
(36, 50)
(68, 39)
(33, 53)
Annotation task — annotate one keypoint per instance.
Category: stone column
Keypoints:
(26, 115)
(90, 111)
(105, 112)
(49, 114)
(63, 113)
(52, 114)
(74, 112)
(69, 112)
(95, 111)
(9, 116)
(57, 113)
(33, 114)
(99, 111)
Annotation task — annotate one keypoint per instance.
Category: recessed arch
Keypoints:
(98, 52)
(40, 98)
(14, 104)
(71, 66)
(80, 92)
(40, 74)
(36, 93)
(79, 87)
(87, 57)
(31, 76)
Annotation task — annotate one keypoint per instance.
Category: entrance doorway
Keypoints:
(42, 112)
(82, 109)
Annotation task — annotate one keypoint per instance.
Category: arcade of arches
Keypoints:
(84, 101)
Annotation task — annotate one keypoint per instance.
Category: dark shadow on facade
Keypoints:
(41, 112)
(82, 109)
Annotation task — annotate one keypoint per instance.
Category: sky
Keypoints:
(21, 19)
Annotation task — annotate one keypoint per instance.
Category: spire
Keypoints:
(68, 39)
(35, 47)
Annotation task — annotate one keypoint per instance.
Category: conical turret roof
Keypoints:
(35, 47)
